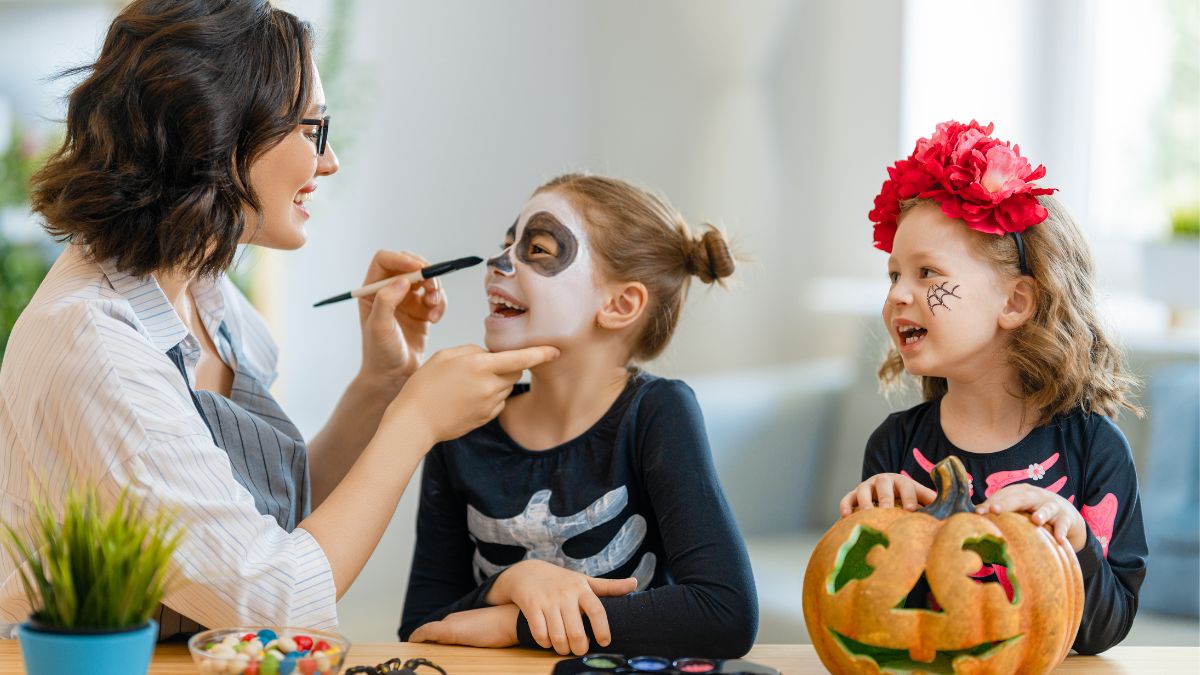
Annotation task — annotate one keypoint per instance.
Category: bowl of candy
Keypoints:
(268, 651)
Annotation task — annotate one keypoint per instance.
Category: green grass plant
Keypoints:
(92, 568)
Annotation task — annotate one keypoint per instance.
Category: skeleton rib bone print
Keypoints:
(542, 535)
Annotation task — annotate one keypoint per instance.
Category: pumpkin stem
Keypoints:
(953, 489)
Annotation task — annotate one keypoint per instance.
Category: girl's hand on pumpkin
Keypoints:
(884, 489)
(1044, 507)
(554, 600)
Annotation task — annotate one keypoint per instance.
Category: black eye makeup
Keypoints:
(547, 263)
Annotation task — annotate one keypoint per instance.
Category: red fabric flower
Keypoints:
(973, 177)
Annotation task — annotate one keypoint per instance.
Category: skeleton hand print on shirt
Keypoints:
(542, 535)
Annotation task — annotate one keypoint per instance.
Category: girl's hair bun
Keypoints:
(708, 257)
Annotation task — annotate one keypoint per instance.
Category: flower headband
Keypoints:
(972, 177)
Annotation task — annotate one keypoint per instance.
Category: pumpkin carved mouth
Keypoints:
(900, 661)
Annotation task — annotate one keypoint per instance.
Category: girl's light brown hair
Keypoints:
(1062, 356)
(638, 236)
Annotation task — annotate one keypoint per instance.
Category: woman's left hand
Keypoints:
(395, 321)
(1045, 508)
(486, 627)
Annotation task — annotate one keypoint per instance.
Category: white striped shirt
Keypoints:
(88, 395)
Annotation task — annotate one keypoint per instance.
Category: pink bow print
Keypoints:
(1033, 472)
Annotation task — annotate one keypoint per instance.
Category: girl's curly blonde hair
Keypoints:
(1061, 355)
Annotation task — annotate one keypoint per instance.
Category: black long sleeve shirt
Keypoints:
(1082, 457)
(635, 495)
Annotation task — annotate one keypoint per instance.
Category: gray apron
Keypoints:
(265, 450)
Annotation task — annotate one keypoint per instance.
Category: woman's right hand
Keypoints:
(883, 489)
(460, 389)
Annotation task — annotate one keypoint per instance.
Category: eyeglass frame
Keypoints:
(322, 126)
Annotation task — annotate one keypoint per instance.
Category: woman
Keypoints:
(139, 366)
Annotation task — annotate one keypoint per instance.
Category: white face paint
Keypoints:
(542, 288)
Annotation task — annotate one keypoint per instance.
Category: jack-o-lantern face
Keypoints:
(942, 590)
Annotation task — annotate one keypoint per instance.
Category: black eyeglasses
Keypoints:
(322, 126)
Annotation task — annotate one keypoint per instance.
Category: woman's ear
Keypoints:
(1020, 305)
(624, 305)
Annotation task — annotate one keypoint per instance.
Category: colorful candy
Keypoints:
(268, 653)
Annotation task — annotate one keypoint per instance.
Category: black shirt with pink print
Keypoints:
(1082, 457)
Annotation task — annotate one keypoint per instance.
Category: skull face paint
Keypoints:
(541, 288)
(543, 224)
(503, 262)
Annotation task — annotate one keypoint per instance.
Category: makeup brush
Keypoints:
(430, 272)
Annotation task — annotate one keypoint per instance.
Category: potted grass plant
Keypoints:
(93, 577)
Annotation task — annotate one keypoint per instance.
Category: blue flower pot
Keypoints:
(124, 652)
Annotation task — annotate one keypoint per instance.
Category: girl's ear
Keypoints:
(1021, 303)
(623, 306)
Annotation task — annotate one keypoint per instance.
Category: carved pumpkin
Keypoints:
(906, 591)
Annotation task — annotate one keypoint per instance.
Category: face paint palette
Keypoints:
(620, 664)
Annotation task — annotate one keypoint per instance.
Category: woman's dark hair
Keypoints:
(160, 136)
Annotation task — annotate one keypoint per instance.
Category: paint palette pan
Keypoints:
(620, 664)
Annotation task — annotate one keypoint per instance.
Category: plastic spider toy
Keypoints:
(396, 667)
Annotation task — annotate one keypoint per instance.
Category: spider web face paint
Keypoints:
(937, 295)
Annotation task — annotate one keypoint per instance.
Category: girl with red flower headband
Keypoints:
(998, 319)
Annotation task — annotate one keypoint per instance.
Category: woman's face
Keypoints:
(542, 289)
(285, 177)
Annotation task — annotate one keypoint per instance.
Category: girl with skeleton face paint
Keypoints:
(541, 288)
(596, 479)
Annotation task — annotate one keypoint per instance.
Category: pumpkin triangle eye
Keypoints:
(921, 597)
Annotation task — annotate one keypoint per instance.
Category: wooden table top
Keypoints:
(789, 659)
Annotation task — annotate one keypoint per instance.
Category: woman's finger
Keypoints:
(433, 292)
(386, 264)
(383, 309)
(517, 360)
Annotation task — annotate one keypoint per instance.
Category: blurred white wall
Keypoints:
(774, 119)
(770, 119)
